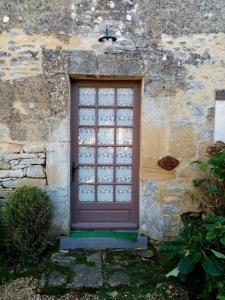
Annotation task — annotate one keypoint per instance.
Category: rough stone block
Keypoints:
(29, 182)
(18, 166)
(36, 171)
(118, 279)
(83, 62)
(58, 159)
(4, 193)
(14, 162)
(4, 165)
(34, 147)
(32, 161)
(14, 156)
(86, 277)
(11, 173)
(181, 142)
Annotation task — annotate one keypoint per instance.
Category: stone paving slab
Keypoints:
(78, 270)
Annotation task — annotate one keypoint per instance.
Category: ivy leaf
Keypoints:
(218, 254)
(196, 256)
(198, 182)
(185, 265)
(212, 189)
(204, 167)
(215, 219)
(174, 272)
(222, 240)
(221, 297)
(210, 236)
(212, 267)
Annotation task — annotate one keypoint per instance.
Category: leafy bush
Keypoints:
(199, 256)
(28, 215)
(212, 182)
(2, 233)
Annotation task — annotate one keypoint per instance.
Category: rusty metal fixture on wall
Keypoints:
(168, 163)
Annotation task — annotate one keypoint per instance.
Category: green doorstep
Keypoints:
(130, 236)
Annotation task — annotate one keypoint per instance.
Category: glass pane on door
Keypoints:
(106, 96)
(105, 117)
(86, 116)
(123, 193)
(86, 155)
(125, 97)
(105, 155)
(86, 193)
(124, 117)
(105, 193)
(87, 96)
(106, 136)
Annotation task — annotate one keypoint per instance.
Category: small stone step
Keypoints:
(67, 243)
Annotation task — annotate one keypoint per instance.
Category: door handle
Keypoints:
(74, 168)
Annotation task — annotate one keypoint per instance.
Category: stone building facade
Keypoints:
(174, 47)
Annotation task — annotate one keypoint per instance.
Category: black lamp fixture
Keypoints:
(107, 37)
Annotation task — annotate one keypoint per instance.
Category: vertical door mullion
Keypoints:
(114, 148)
(96, 142)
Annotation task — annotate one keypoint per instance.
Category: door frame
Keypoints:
(136, 85)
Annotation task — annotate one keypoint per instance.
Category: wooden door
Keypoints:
(105, 119)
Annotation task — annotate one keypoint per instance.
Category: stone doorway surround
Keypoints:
(78, 65)
(62, 66)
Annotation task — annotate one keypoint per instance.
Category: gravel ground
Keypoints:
(27, 289)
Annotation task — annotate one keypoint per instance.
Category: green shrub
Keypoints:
(199, 257)
(212, 182)
(28, 214)
(2, 233)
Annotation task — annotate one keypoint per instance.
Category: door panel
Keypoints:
(105, 154)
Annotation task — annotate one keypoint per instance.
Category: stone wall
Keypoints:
(176, 47)
(25, 168)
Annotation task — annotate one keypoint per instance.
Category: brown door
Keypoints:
(105, 154)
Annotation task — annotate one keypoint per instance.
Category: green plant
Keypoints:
(199, 256)
(28, 215)
(212, 182)
(2, 233)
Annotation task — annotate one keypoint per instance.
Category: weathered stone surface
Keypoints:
(30, 182)
(33, 147)
(58, 159)
(36, 171)
(4, 165)
(134, 271)
(62, 259)
(117, 279)
(4, 193)
(11, 173)
(145, 253)
(32, 161)
(16, 156)
(95, 258)
(18, 166)
(57, 279)
(53, 279)
(86, 277)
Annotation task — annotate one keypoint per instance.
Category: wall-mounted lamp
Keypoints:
(108, 38)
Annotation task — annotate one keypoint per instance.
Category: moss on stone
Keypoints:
(52, 266)
(82, 259)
